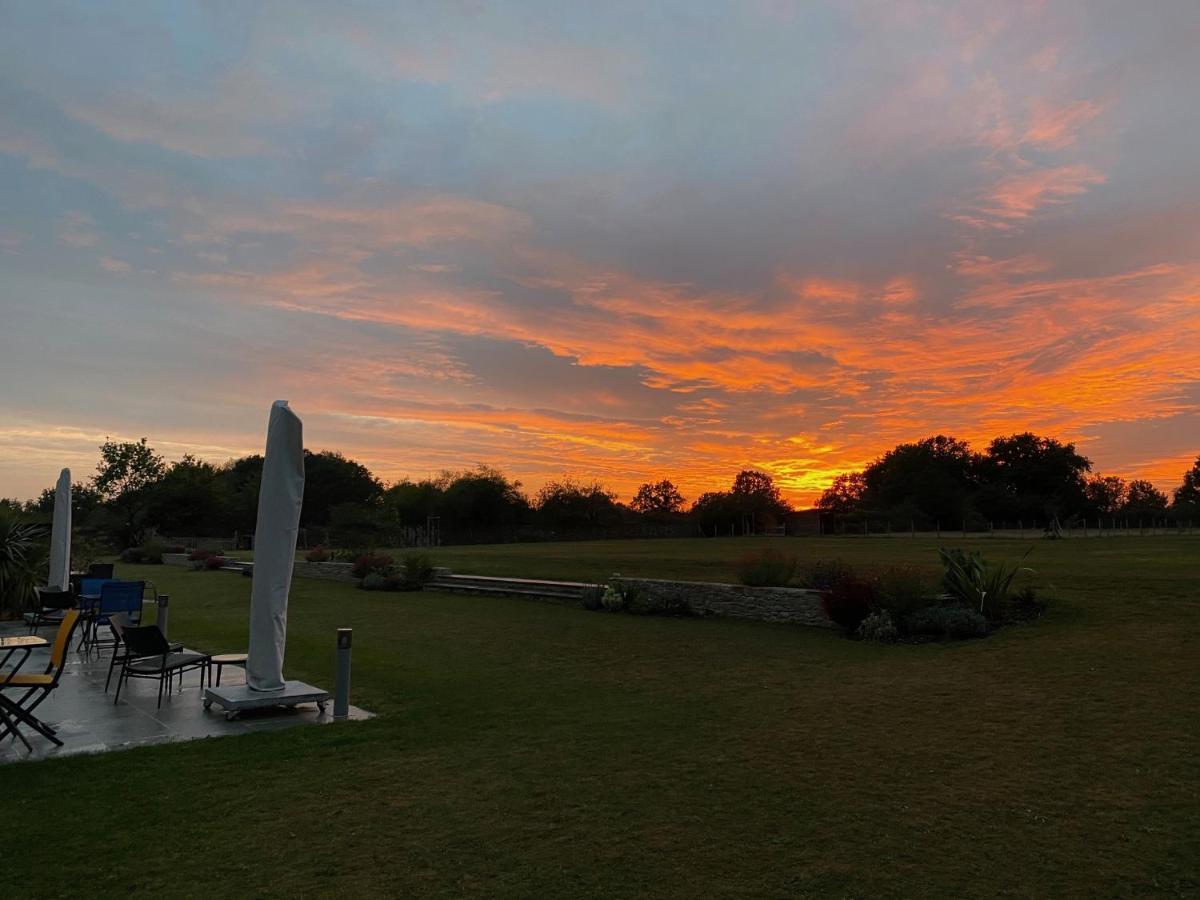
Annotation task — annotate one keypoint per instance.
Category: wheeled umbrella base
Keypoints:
(236, 698)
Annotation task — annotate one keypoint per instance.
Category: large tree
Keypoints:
(240, 479)
(1035, 477)
(844, 496)
(933, 479)
(123, 476)
(191, 499)
(85, 500)
(756, 496)
(1105, 494)
(481, 503)
(1144, 500)
(1186, 500)
(567, 506)
(331, 479)
(716, 511)
(657, 500)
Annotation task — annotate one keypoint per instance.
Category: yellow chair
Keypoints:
(37, 687)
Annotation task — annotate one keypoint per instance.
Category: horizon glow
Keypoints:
(619, 243)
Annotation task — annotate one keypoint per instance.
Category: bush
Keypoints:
(593, 597)
(879, 627)
(176, 548)
(201, 555)
(367, 563)
(644, 603)
(768, 568)
(851, 600)
(213, 563)
(318, 554)
(150, 554)
(373, 581)
(825, 574)
(416, 569)
(904, 590)
(613, 598)
(1023, 606)
(948, 622)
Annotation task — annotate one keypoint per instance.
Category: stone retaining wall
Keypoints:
(792, 606)
(176, 559)
(330, 571)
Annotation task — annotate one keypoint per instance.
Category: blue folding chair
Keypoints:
(88, 600)
(116, 598)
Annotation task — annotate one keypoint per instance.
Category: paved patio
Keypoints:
(88, 721)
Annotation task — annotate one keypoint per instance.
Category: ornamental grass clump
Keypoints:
(904, 590)
(767, 568)
(416, 569)
(977, 583)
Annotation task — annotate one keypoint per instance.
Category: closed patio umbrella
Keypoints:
(59, 577)
(279, 501)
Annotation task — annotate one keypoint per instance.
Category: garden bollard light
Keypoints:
(341, 682)
(161, 601)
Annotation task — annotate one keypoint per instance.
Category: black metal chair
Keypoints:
(148, 655)
(51, 606)
(119, 623)
(100, 570)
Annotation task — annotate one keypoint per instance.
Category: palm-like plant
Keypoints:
(975, 582)
(22, 550)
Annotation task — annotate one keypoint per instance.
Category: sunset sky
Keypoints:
(619, 241)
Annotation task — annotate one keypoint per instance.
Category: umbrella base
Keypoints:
(236, 698)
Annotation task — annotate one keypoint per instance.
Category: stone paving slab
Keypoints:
(88, 721)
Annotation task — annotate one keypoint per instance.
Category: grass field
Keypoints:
(527, 749)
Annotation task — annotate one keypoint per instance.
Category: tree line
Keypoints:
(1023, 478)
(134, 493)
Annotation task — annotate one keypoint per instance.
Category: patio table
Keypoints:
(24, 644)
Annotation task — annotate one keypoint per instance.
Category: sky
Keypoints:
(617, 241)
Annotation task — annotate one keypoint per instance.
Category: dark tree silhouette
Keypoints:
(567, 506)
(191, 499)
(657, 500)
(331, 479)
(1105, 494)
(1144, 500)
(1186, 500)
(125, 471)
(1034, 477)
(932, 479)
(844, 496)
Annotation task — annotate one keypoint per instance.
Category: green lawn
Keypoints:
(529, 749)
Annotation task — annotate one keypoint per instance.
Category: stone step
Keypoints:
(526, 587)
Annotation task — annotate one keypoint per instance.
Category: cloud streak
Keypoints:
(625, 246)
